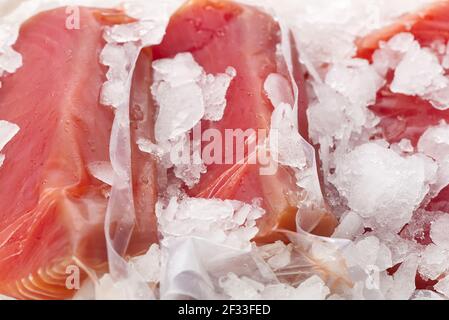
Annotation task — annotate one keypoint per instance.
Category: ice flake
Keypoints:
(10, 60)
(278, 90)
(435, 144)
(277, 255)
(223, 222)
(351, 225)
(403, 147)
(147, 146)
(439, 232)
(369, 253)
(403, 285)
(4, 298)
(346, 78)
(443, 286)
(149, 29)
(185, 95)
(120, 59)
(390, 53)
(149, 265)
(123, 40)
(327, 115)
(102, 170)
(417, 70)
(107, 289)
(243, 288)
(434, 262)
(327, 32)
(312, 288)
(341, 106)
(426, 295)
(382, 186)
(418, 73)
(180, 109)
(214, 92)
(7, 131)
(286, 144)
(400, 248)
(178, 71)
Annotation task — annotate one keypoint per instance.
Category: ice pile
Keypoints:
(340, 113)
(244, 288)
(418, 71)
(327, 32)
(123, 48)
(378, 188)
(7, 131)
(185, 95)
(226, 222)
(381, 186)
(202, 239)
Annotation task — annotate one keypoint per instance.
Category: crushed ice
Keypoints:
(185, 95)
(7, 131)
(327, 40)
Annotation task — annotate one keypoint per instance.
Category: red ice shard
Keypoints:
(52, 208)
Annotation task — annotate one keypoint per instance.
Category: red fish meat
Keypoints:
(53, 208)
(221, 34)
(405, 116)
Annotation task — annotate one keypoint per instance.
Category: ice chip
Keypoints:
(214, 92)
(426, 295)
(346, 79)
(180, 109)
(7, 131)
(278, 90)
(434, 262)
(185, 95)
(443, 286)
(351, 225)
(382, 186)
(147, 146)
(418, 73)
(439, 232)
(241, 289)
(403, 285)
(181, 70)
(215, 220)
(286, 144)
(149, 265)
(312, 288)
(102, 170)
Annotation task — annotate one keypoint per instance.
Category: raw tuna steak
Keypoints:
(222, 34)
(52, 206)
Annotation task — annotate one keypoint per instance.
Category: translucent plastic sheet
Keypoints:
(194, 266)
(120, 215)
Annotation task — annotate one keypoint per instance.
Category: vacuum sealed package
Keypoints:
(218, 149)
